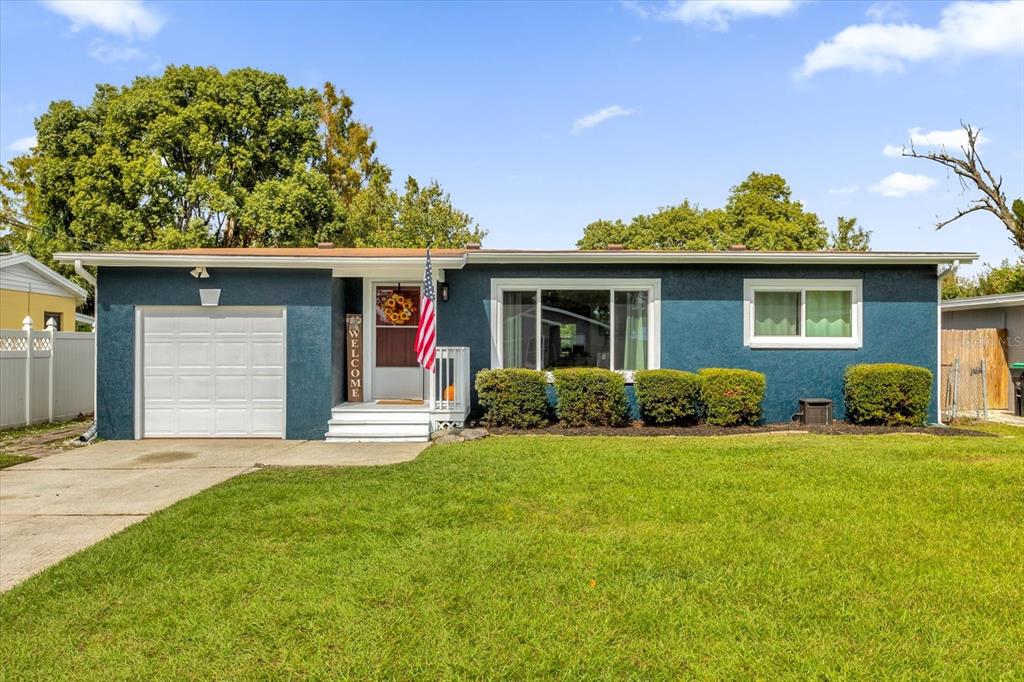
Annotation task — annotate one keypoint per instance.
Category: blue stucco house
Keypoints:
(313, 343)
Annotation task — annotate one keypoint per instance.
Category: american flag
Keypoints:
(426, 333)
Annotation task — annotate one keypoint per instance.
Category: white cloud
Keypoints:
(966, 29)
(598, 117)
(902, 184)
(718, 14)
(847, 189)
(23, 145)
(636, 8)
(953, 139)
(128, 18)
(886, 10)
(942, 138)
(109, 54)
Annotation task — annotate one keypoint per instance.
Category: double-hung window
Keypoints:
(805, 313)
(546, 324)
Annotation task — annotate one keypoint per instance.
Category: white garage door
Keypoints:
(212, 372)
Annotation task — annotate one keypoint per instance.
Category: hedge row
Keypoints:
(883, 394)
(517, 398)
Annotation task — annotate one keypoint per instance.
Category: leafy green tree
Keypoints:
(348, 147)
(760, 214)
(849, 237)
(196, 157)
(168, 160)
(1006, 278)
(421, 216)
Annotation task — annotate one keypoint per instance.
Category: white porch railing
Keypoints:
(449, 386)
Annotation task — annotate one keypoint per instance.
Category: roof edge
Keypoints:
(149, 259)
(990, 301)
(46, 271)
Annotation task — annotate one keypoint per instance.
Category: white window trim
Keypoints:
(652, 286)
(855, 286)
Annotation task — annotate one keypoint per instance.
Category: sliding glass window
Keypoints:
(572, 327)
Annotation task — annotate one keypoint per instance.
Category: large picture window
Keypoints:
(575, 323)
(784, 313)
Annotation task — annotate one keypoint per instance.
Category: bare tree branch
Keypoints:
(972, 172)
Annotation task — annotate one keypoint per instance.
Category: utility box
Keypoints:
(815, 411)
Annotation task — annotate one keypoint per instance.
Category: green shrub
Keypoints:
(588, 396)
(732, 396)
(513, 397)
(888, 394)
(667, 396)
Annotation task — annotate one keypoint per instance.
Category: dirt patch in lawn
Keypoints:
(40, 440)
(836, 428)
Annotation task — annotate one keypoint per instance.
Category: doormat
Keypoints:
(400, 402)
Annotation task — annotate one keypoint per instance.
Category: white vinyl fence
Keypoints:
(45, 375)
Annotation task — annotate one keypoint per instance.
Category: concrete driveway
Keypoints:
(58, 505)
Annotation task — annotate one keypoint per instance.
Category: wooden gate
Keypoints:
(971, 347)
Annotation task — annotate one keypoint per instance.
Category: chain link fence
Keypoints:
(964, 390)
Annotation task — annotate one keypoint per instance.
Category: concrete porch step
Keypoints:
(333, 438)
(380, 417)
(376, 423)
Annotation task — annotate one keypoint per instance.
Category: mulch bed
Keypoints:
(836, 428)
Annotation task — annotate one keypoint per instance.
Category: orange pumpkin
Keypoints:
(449, 393)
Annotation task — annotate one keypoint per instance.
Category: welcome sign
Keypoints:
(354, 357)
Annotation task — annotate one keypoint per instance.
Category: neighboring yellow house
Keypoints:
(29, 288)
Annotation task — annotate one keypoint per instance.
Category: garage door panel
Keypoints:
(229, 387)
(231, 354)
(194, 354)
(194, 421)
(160, 421)
(213, 373)
(267, 325)
(267, 354)
(158, 387)
(232, 325)
(160, 353)
(194, 387)
(267, 387)
(234, 421)
(193, 324)
(157, 324)
(266, 422)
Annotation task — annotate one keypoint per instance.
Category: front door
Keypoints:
(396, 375)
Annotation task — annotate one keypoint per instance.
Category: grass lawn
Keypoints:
(523, 557)
(10, 460)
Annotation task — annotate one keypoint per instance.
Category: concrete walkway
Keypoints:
(1005, 417)
(61, 504)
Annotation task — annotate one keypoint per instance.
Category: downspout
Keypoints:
(943, 273)
(80, 270)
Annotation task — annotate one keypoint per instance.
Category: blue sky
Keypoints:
(542, 117)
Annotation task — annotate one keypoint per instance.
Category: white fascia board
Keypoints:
(350, 264)
(721, 257)
(978, 302)
(341, 265)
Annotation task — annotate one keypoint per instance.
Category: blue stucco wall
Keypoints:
(307, 295)
(702, 322)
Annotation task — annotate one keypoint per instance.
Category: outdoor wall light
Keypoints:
(200, 272)
(442, 291)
